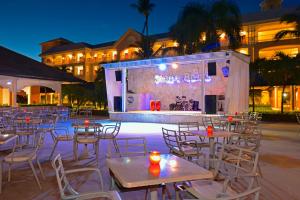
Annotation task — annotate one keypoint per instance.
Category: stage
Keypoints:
(166, 117)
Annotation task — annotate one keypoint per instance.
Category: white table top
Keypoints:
(5, 138)
(134, 172)
(203, 133)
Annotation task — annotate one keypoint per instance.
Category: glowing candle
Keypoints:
(154, 158)
(209, 130)
(230, 118)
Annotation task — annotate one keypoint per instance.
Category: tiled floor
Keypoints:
(280, 163)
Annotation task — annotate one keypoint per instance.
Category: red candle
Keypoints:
(157, 105)
(236, 113)
(209, 130)
(152, 105)
(154, 170)
(86, 122)
(230, 118)
(154, 158)
(27, 119)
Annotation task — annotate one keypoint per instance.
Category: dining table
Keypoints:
(211, 138)
(137, 172)
(86, 129)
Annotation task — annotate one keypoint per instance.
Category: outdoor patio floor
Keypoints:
(279, 161)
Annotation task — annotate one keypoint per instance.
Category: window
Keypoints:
(79, 70)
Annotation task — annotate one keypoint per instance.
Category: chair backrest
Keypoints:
(237, 162)
(207, 121)
(130, 146)
(62, 181)
(171, 139)
(185, 127)
(298, 117)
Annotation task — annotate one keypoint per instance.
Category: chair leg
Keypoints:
(1, 176)
(97, 153)
(53, 149)
(34, 173)
(40, 167)
(9, 172)
(146, 194)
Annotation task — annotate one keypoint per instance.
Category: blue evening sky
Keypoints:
(24, 24)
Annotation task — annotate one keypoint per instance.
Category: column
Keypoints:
(202, 65)
(58, 90)
(124, 89)
(14, 93)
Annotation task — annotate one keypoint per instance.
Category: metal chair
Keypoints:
(239, 174)
(129, 146)
(60, 135)
(298, 119)
(110, 131)
(67, 191)
(188, 149)
(28, 154)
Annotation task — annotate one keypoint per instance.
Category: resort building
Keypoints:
(258, 31)
(27, 81)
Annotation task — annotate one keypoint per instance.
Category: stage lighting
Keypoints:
(174, 65)
(162, 67)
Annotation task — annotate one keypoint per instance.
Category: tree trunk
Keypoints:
(282, 98)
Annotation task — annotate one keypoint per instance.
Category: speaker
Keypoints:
(118, 75)
(210, 104)
(212, 68)
(117, 103)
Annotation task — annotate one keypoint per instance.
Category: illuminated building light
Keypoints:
(95, 55)
(174, 65)
(243, 33)
(175, 44)
(126, 51)
(70, 56)
(285, 94)
(222, 36)
(162, 67)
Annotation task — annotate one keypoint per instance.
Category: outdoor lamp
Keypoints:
(209, 130)
(154, 158)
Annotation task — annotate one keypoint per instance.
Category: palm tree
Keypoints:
(199, 25)
(191, 23)
(293, 17)
(144, 7)
(283, 70)
(145, 47)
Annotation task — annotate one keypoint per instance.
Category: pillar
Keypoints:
(58, 90)
(14, 93)
(124, 89)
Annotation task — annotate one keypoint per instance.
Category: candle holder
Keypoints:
(154, 158)
(157, 105)
(230, 118)
(154, 170)
(86, 122)
(209, 130)
(27, 119)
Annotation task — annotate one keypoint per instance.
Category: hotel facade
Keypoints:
(257, 34)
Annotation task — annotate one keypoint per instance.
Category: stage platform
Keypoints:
(166, 117)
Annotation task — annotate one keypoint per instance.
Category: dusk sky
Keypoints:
(27, 23)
